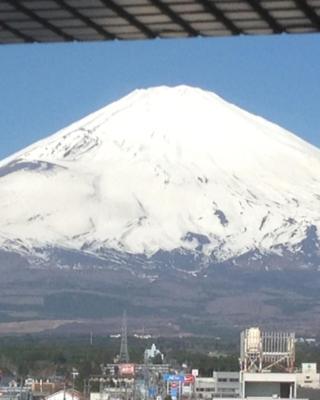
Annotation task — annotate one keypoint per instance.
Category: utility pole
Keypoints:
(124, 354)
(74, 374)
(86, 389)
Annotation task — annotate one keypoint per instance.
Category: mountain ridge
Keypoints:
(171, 203)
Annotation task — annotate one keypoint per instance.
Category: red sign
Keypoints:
(126, 369)
(188, 379)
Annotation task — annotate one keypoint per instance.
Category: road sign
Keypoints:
(188, 379)
(173, 378)
(152, 391)
(174, 392)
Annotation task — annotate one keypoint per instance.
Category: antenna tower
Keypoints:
(124, 354)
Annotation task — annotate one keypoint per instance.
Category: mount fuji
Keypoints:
(164, 184)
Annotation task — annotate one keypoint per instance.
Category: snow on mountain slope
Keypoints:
(157, 169)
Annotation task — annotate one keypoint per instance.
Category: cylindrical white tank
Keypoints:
(253, 340)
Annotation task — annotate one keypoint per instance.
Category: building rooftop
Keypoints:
(91, 20)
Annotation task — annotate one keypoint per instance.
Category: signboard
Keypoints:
(187, 390)
(152, 391)
(174, 392)
(126, 369)
(189, 379)
(173, 378)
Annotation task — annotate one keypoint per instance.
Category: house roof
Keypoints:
(91, 20)
(65, 394)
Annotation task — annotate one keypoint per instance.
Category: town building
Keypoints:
(152, 353)
(68, 394)
(309, 377)
(222, 384)
(267, 361)
(226, 384)
(274, 385)
(204, 387)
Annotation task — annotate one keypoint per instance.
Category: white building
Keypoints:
(29, 382)
(67, 394)
(268, 385)
(309, 377)
(221, 385)
(113, 394)
(204, 387)
(151, 353)
(226, 384)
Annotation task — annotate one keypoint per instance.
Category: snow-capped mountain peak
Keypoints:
(163, 169)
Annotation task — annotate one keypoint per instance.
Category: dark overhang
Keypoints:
(89, 20)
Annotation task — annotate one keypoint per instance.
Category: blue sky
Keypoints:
(45, 87)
